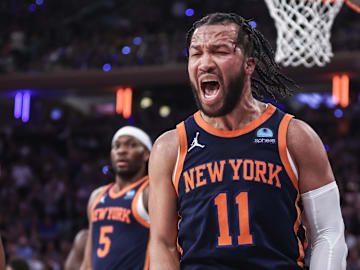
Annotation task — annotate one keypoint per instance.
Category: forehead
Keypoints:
(218, 33)
(126, 138)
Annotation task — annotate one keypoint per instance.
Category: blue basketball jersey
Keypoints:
(238, 196)
(119, 235)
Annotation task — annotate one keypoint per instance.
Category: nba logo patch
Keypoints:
(129, 195)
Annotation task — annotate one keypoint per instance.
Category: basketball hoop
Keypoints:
(303, 30)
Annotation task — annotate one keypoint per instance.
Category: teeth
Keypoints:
(206, 81)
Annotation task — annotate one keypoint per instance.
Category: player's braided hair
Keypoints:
(255, 45)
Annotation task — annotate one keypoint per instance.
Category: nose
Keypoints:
(207, 63)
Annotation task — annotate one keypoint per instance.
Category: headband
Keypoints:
(134, 132)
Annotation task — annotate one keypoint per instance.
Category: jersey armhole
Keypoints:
(181, 155)
(138, 208)
(284, 153)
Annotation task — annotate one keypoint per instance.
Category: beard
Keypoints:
(128, 174)
(231, 98)
(130, 171)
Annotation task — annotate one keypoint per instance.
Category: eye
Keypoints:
(116, 146)
(195, 54)
(221, 52)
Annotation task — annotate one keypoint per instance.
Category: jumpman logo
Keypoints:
(195, 143)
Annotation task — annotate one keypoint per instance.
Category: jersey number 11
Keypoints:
(225, 239)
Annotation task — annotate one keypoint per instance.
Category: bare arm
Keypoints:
(76, 255)
(320, 197)
(86, 263)
(163, 204)
(310, 156)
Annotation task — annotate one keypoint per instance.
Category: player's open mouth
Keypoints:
(210, 88)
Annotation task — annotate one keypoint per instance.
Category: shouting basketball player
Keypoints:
(228, 187)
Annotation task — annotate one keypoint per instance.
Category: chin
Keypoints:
(212, 111)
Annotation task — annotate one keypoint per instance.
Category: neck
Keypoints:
(122, 182)
(247, 110)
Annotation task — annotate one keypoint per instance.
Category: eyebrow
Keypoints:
(214, 46)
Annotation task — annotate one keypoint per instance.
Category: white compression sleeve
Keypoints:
(326, 227)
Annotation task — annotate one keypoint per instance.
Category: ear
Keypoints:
(250, 65)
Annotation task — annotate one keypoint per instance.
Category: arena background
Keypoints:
(62, 65)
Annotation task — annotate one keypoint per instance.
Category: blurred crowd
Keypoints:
(55, 35)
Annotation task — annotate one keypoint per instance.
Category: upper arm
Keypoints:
(76, 255)
(162, 197)
(310, 156)
(86, 264)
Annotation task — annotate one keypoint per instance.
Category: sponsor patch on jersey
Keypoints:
(264, 136)
(129, 195)
(264, 133)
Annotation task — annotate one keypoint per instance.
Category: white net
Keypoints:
(303, 30)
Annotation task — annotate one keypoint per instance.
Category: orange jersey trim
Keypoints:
(282, 149)
(134, 202)
(183, 150)
(179, 248)
(353, 6)
(296, 229)
(96, 201)
(234, 133)
(116, 195)
(283, 127)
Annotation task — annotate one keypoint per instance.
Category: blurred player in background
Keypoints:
(239, 172)
(76, 255)
(118, 215)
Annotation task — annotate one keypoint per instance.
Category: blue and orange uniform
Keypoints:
(238, 196)
(119, 232)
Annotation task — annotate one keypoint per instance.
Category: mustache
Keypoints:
(212, 72)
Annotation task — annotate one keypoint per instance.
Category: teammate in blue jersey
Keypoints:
(118, 212)
(229, 185)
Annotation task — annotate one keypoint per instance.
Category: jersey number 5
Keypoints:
(224, 238)
(104, 240)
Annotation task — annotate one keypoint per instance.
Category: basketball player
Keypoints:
(76, 255)
(229, 185)
(119, 223)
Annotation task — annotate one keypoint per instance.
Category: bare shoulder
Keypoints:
(94, 195)
(166, 142)
(309, 154)
(302, 138)
(164, 154)
(81, 237)
(165, 147)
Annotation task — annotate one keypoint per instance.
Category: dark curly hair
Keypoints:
(270, 80)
